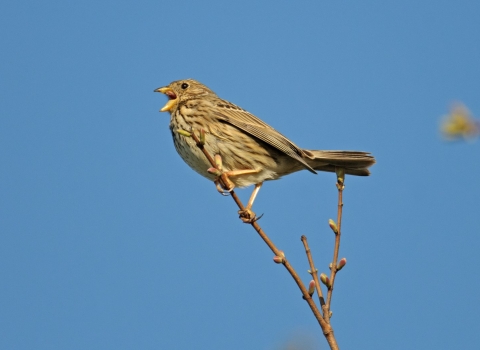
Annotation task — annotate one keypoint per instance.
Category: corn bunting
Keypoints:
(250, 150)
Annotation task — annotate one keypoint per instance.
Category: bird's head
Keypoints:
(182, 90)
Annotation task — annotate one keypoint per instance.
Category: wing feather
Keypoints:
(249, 123)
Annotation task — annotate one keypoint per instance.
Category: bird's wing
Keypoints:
(238, 117)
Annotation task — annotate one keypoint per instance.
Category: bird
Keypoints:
(247, 150)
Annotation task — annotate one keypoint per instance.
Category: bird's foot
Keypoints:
(222, 182)
(248, 216)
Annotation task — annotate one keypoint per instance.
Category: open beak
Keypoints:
(173, 99)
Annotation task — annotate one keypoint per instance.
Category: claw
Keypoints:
(256, 218)
(229, 185)
(222, 191)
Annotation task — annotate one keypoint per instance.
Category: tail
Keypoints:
(354, 163)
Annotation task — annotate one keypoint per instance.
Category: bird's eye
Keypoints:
(184, 85)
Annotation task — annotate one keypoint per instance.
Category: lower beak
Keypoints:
(171, 102)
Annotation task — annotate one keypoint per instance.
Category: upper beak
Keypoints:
(162, 89)
(172, 98)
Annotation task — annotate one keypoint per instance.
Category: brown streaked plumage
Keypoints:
(243, 141)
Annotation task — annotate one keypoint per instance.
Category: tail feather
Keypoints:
(354, 163)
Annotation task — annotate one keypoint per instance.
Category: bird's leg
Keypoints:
(247, 215)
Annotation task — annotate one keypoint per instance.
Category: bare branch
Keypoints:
(314, 272)
(326, 327)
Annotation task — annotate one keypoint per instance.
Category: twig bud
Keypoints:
(214, 171)
(311, 287)
(282, 254)
(333, 226)
(325, 280)
(341, 264)
(202, 137)
(278, 259)
(184, 133)
(340, 175)
(218, 161)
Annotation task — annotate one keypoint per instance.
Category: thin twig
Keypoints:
(314, 273)
(340, 186)
(326, 327)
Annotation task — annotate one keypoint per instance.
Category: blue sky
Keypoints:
(109, 241)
